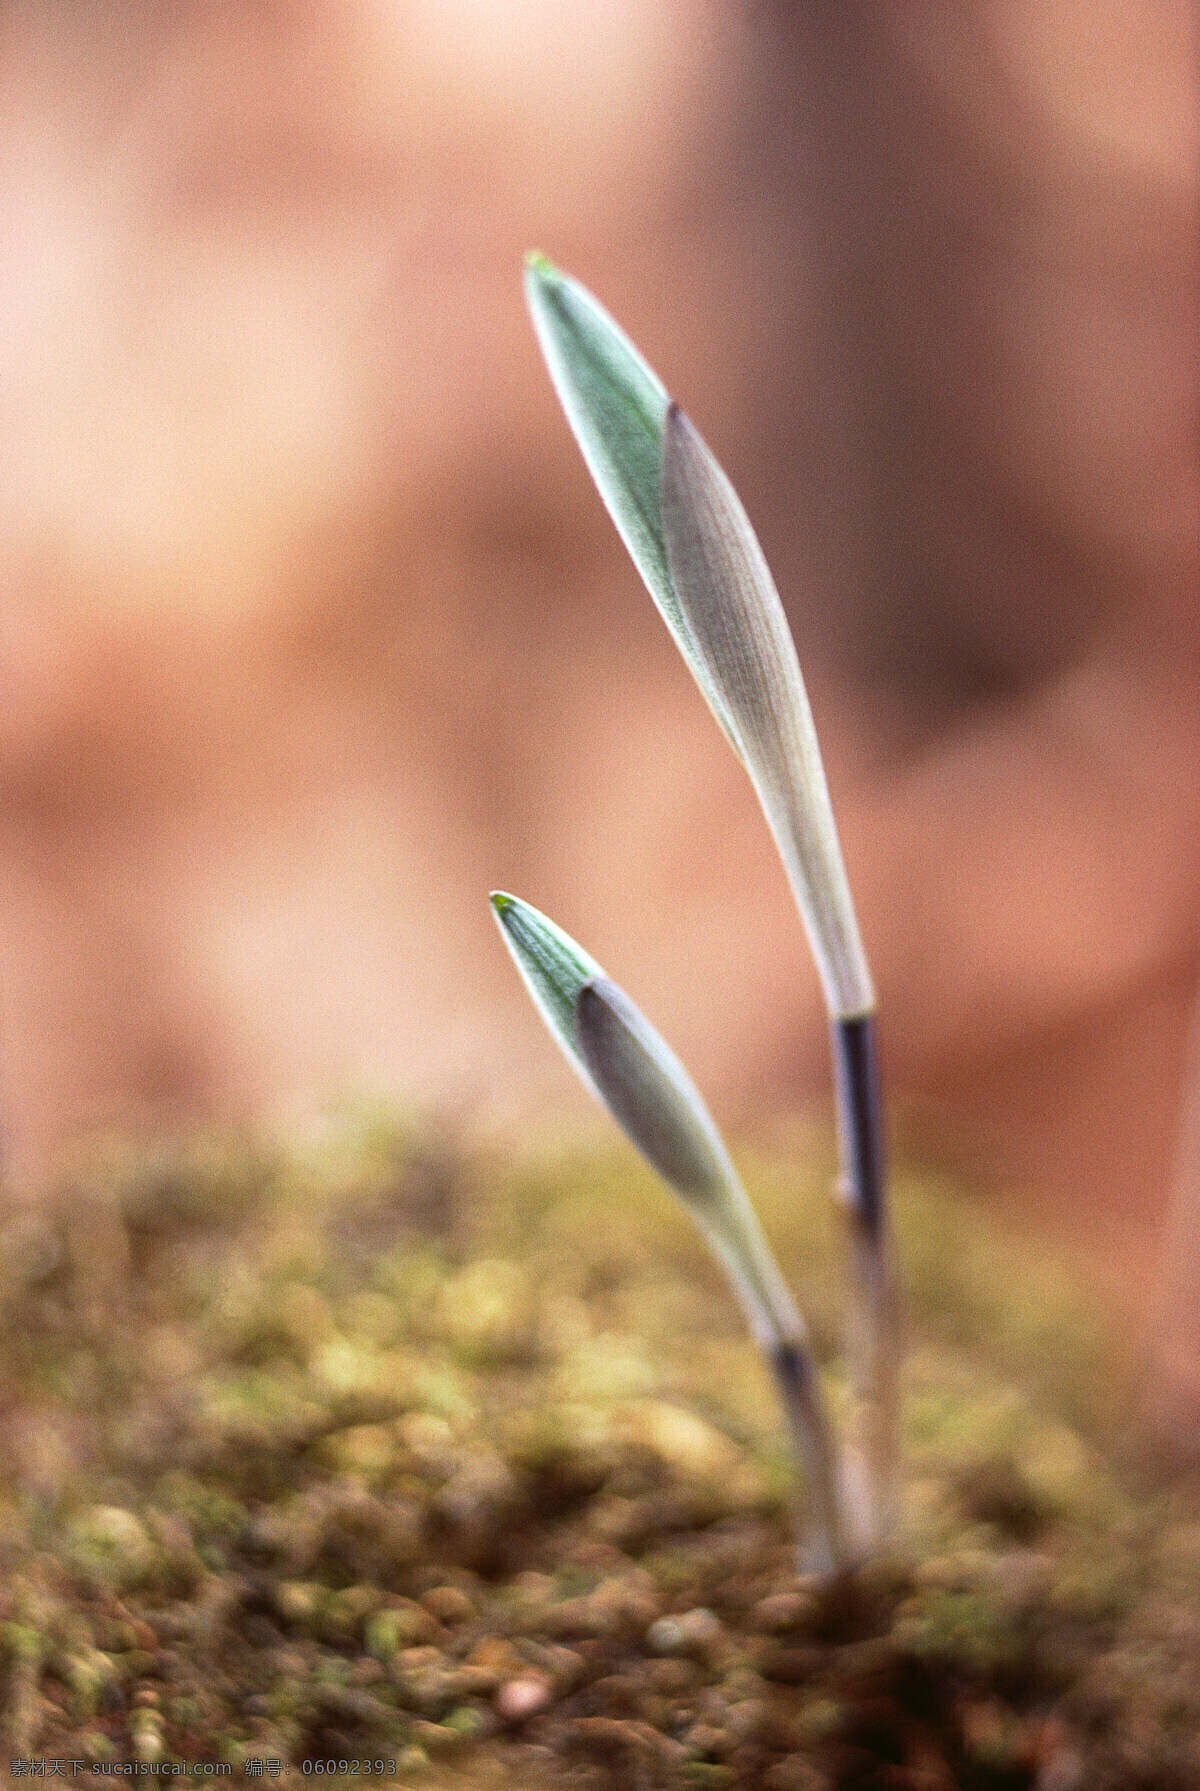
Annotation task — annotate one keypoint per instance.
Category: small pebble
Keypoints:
(449, 1604)
(820, 1718)
(469, 1723)
(401, 1625)
(111, 1544)
(496, 1656)
(287, 1663)
(692, 1633)
(297, 1601)
(519, 1699)
(415, 1660)
(532, 1587)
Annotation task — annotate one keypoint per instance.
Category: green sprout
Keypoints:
(694, 546)
(629, 1068)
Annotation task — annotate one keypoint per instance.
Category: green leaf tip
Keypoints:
(617, 408)
(553, 969)
(541, 265)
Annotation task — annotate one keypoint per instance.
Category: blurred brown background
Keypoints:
(312, 628)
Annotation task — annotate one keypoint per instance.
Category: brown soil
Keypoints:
(339, 1457)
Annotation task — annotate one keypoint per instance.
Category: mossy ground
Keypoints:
(374, 1450)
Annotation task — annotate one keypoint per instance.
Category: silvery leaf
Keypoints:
(553, 969)
(616, 406)
(639, 1079)
(649, 1093)
(656, 1104)
(734, 621)
(652, 1098)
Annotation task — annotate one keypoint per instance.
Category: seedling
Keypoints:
(627, 1066)
(693, 544)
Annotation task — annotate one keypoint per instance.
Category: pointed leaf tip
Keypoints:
(616, 405)
(552, 968)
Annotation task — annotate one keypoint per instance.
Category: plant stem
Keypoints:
(824, 1543)
(825, 1546)
(876, 1318)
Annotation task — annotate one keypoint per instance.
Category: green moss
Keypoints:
(312, 1478)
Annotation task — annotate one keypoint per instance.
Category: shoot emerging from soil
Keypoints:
(629, 1068)
(694, 546)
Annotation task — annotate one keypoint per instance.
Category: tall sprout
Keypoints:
(629, 1068)
(693, 544)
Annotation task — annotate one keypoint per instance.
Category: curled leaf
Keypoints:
(653, 1099)
(616, 405)
(737, 629)
(630, 1069)
(648, 1092)
(692, 543)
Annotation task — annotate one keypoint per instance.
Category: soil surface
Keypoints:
(373, 1458)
